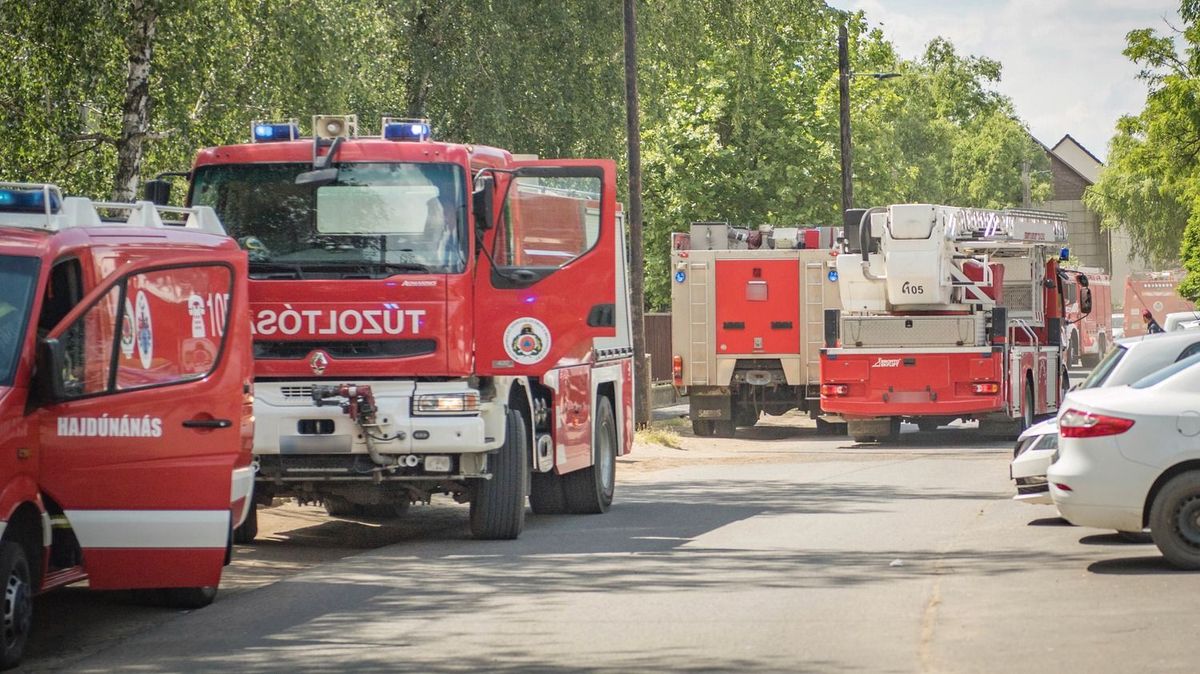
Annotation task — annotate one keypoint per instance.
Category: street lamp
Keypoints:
(844, 76)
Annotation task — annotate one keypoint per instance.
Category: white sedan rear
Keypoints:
(1129, 457)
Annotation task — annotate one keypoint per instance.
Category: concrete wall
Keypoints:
(1088, 243)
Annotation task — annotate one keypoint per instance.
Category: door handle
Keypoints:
(207, 423)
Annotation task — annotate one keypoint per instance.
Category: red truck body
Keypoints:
(948, 314)
(472, 302)
(1089, 334)
(1156, 292)
(124, 399)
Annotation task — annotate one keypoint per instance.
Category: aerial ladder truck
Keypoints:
(947, 313)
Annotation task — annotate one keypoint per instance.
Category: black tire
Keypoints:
(703, 428)
(18, 604)
(188, 597)
(1175, 520)
(1028, 408)
(546, 495)
(247, 531)
(338, 506)
(385, 511)
(498, 504)
(724, 429)
(591, 490)
(829, 427)
(745, 416)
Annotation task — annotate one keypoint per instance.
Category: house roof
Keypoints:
(1072, 153)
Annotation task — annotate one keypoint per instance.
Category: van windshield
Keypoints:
(375, 220)
(18, 277)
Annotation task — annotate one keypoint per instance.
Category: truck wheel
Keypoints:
(546, 494)
(498, 504)
(247, 531)
(18, 603)
(724, 429)
(1175, 520)
(745, 416)
(1027, 408)
(591, 490)
(188, 597)
(702, 428)
(385, 511)
(338, 506)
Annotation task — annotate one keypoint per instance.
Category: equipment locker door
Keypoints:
(139, 448)
(548, 288)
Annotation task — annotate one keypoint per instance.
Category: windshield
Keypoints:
(1152, 379)
(1104, 368)
(18, 277)
(374, 220)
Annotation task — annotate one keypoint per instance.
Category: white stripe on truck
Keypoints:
(150, 528)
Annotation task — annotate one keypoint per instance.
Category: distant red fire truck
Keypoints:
(1087, 334)
(1156, 292)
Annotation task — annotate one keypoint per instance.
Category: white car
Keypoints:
(1129, 458)
(1118, 326)
(1128, 361)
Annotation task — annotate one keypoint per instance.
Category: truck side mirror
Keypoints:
(157, 192)
(1085, 300)
(1082, 280)
(483, 200)
(50, 368)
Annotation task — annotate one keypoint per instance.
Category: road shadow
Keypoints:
(1118, 539)
(1049, 522)
(1136, 566)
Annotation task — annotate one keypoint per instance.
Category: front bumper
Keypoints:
(287, 422)
(1028, 471)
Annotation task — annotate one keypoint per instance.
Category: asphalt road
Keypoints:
(780, 551)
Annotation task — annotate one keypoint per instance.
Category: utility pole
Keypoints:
(637, 259)
(844, 116)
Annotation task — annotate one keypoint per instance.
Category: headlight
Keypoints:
(434, 404)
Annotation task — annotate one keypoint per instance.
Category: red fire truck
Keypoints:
(1156, 292)
(124, 399)
(429, 318)
(948, 313)
(1087, 334)
(747, 309)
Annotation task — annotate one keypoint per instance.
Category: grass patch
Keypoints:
(658, 434)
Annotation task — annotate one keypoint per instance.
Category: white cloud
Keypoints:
(1062, 59)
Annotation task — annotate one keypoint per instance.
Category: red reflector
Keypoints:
(834, 389)
(1078, 424)
(990, 388)
(1062, 486)
(677, 370)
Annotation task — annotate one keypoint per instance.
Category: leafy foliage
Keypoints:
(739, 100)
(1151, 187)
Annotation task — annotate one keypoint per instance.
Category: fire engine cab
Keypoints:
(947, 313)
(124, 400)
(429, 318)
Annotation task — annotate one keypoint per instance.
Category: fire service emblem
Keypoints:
(527, 340)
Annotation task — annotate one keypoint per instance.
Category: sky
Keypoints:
(1062, 60)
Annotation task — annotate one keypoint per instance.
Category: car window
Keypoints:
(1191, 350)
(1104, 368)
(1166, 372)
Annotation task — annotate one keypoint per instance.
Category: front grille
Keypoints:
(391, 348)
(296, 391)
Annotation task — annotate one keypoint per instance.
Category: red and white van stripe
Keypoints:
(150, 529)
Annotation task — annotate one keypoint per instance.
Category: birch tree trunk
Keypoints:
(135, 117)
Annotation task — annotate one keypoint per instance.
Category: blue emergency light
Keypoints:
(1064, 254)
(406, 131)
(270, 133)
(27, 201)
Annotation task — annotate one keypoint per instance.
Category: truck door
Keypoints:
(547, 287)
(139, 446)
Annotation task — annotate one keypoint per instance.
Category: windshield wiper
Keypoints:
(268, 267)
(373, 269)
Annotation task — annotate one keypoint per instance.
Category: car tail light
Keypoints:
(985, 389)
(1078, 424)
(831, 390)
(677, 371)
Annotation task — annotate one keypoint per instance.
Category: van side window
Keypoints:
(63, 292)
(154, 328)
(1191, 350)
